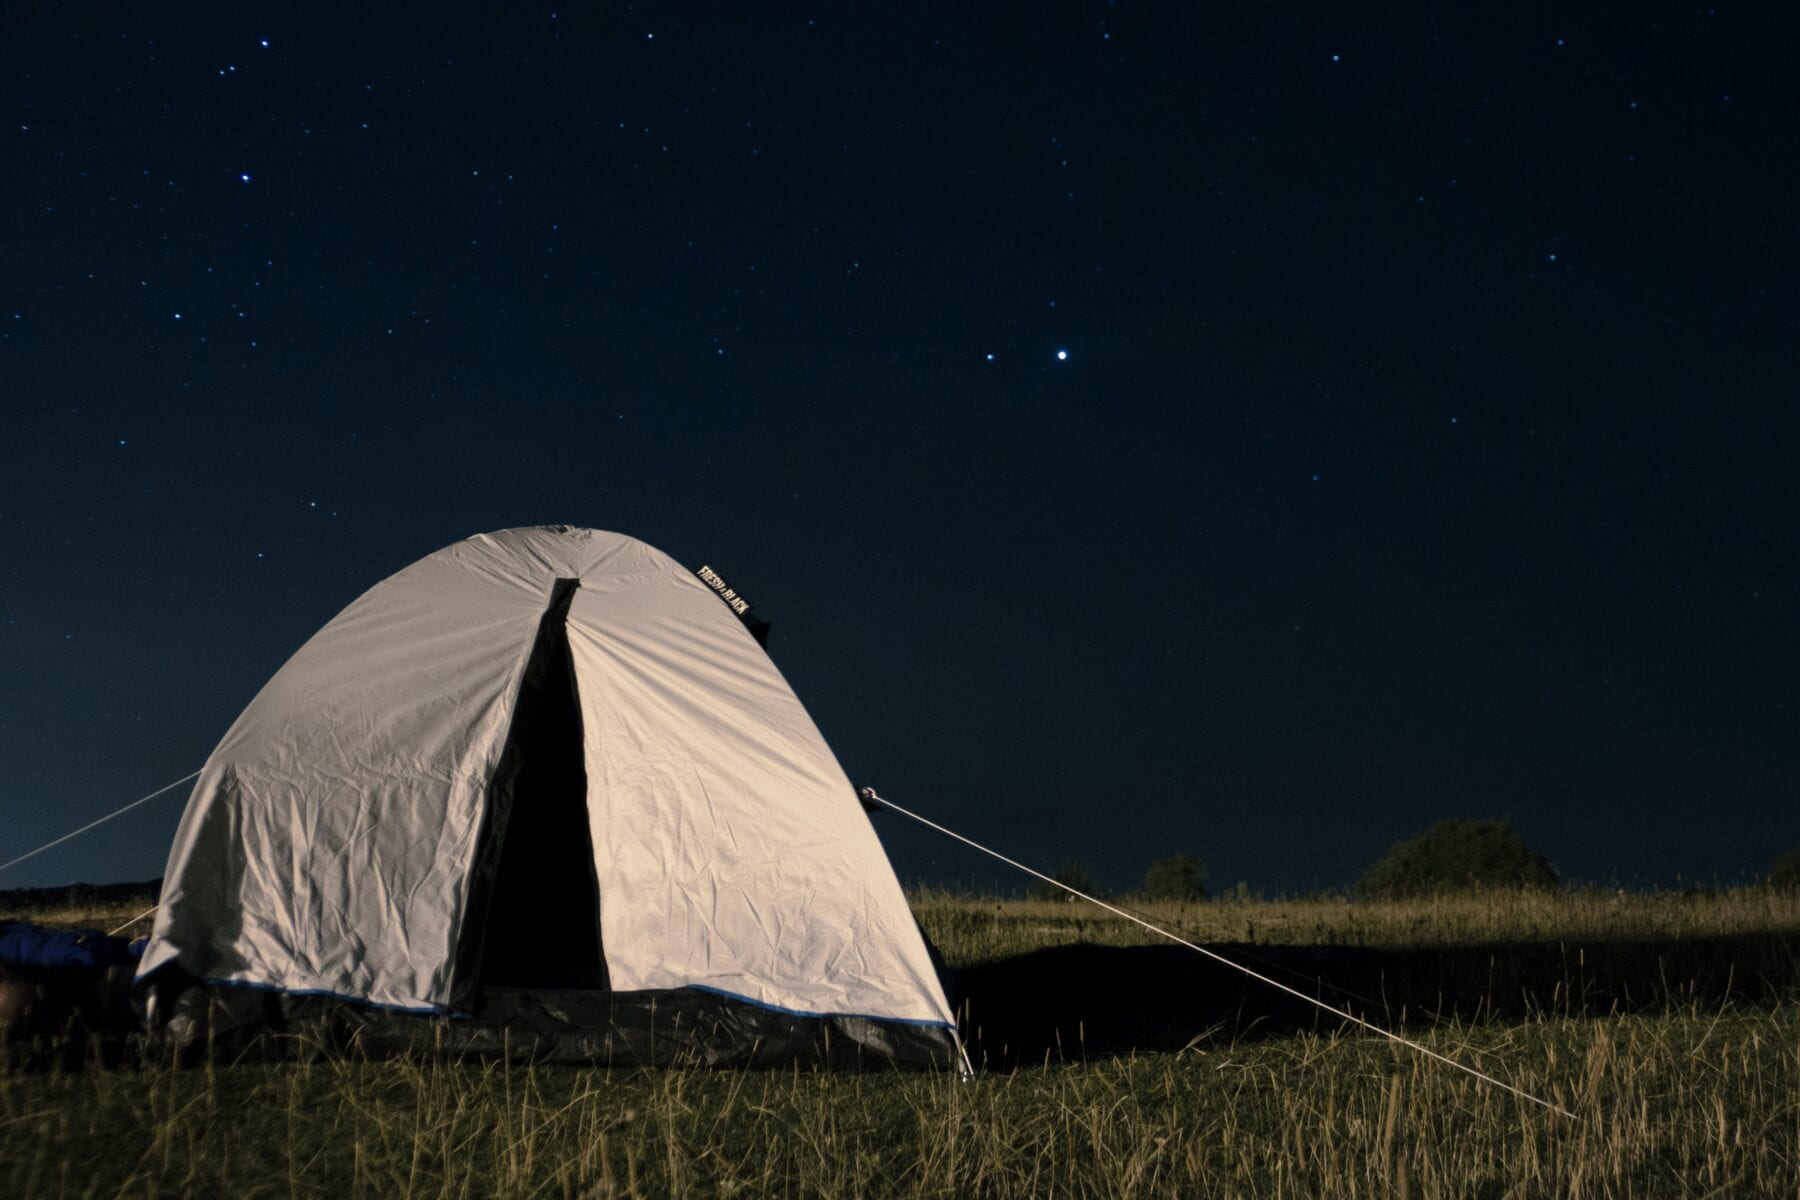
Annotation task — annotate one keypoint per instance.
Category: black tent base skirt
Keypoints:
(675, 1028)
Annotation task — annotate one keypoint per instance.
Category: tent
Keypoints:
(545, 780)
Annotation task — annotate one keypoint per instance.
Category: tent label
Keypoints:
(726, 592)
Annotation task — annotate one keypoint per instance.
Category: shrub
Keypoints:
(1454, 855)
(1072, 874)
(1784, 872)
(1178, 877)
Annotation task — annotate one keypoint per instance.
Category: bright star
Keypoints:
(1062, 356)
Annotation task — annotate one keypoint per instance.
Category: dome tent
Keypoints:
(543, 777)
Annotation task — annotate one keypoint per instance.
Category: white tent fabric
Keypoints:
(329, 843)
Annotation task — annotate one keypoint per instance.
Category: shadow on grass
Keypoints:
(1069, 1002)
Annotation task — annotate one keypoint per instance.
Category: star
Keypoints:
(1062, 356)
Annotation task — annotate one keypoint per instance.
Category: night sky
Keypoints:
(1259, 430)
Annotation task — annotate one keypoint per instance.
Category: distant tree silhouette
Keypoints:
(1074, 875)
(1180, 876)
(1454, 855)
(1784, 872)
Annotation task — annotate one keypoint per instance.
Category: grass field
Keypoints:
(1676, 1098)
(972, 929)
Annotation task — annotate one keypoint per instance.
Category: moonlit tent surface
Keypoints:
(382, 823)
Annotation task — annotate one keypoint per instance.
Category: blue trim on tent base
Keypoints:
(690, 1026)
(431, 1010)
(815, 1016)
(437, 1010)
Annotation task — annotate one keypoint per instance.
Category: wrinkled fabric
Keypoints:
(329, 842)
